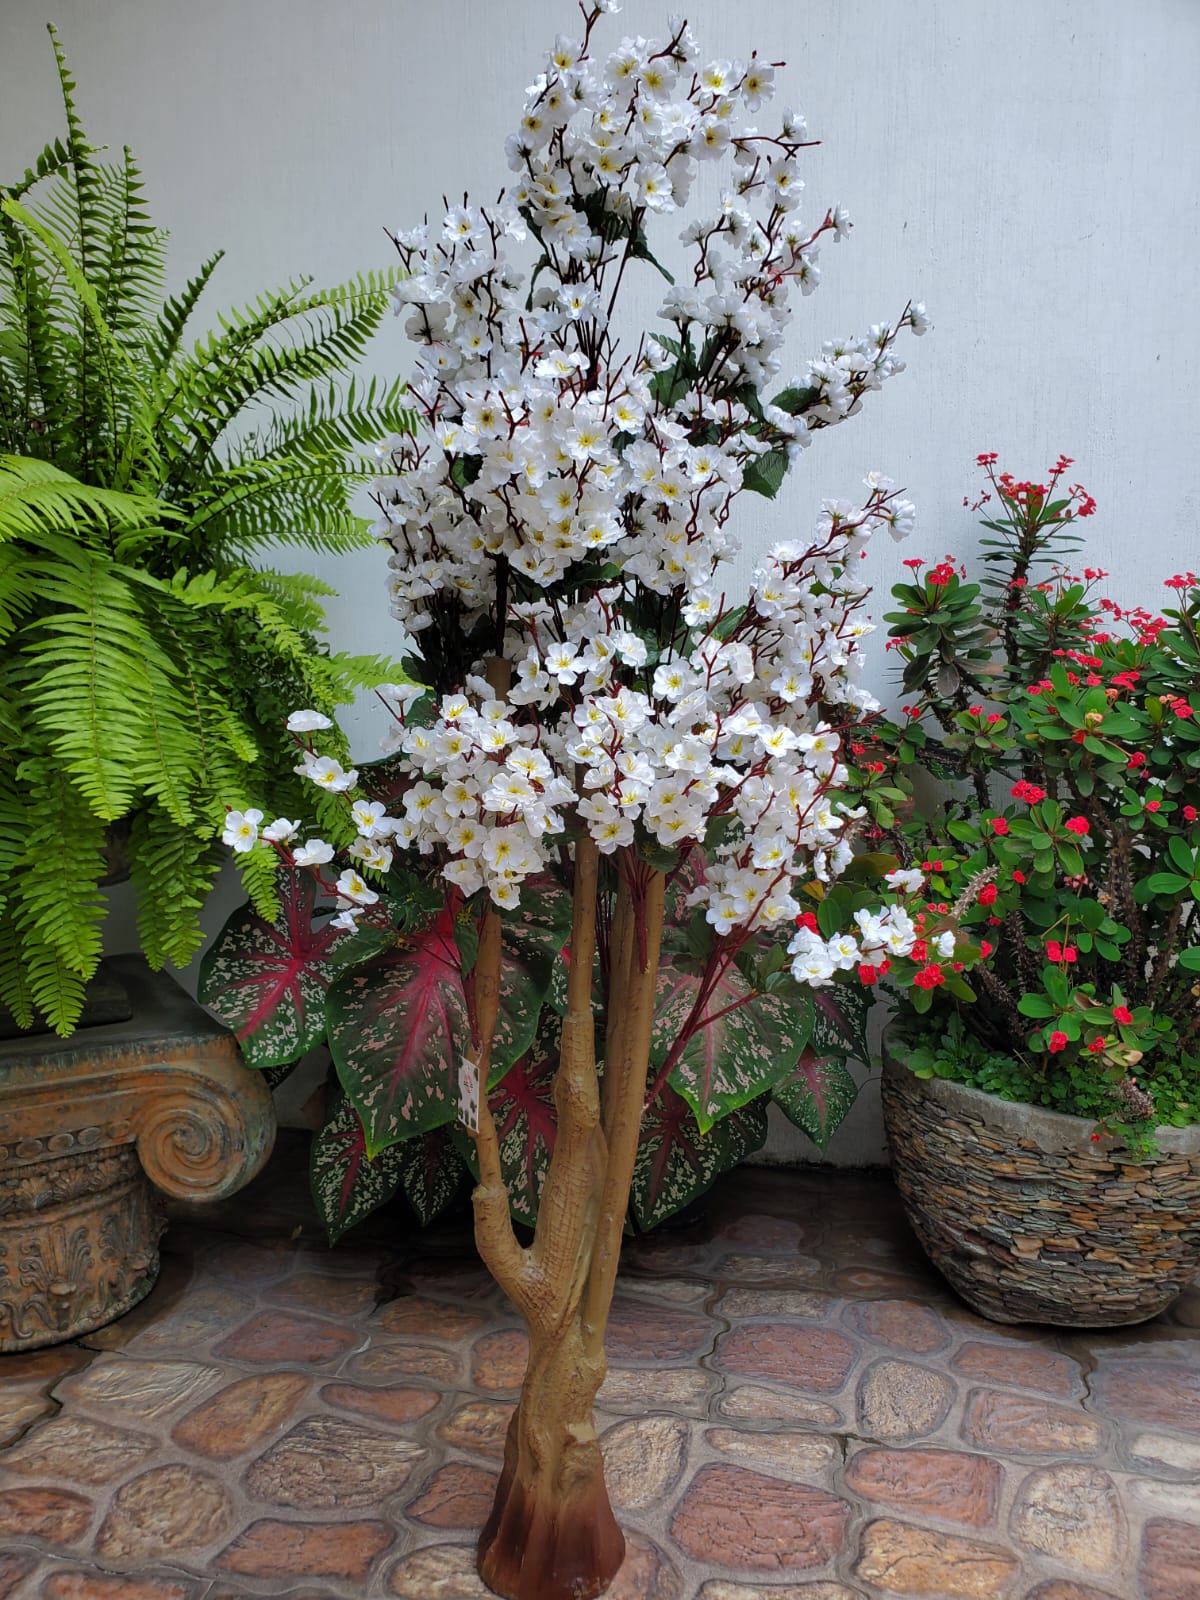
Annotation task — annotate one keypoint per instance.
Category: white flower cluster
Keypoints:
(720, 742)
(543, 447)
(565, 502)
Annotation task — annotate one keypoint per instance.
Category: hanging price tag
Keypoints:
(468, 1095)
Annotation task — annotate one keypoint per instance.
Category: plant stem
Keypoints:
(625, 1085)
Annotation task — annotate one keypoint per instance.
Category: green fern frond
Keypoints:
(164, 767)
(56, 897)
(174, 315)
(174, 871)
(16, 993)
(14, 829)
(259, 872)
(88, 694)
(335, 424)
(36, 496)
(288, 500)
(54, 988)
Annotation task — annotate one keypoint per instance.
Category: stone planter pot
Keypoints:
(93, 1130)
(1028, 1218)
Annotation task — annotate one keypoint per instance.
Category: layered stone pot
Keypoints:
(94, 1131)
(1029, 1218)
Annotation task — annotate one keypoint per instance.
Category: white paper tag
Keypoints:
(468, 1095)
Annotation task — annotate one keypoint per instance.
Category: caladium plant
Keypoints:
(392, 1002)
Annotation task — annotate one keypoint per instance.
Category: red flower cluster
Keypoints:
(1122, 1014)
(1029, 792)
(929, 977)
(1077, 825)
(1062, 953)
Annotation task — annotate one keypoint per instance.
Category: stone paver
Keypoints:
(796, 1409)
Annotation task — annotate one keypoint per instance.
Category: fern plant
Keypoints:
(148, 657)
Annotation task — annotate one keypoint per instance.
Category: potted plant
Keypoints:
(601, 804)
(1042, 1081)
(147, 661)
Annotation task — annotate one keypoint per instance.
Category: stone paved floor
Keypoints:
(797, 1410)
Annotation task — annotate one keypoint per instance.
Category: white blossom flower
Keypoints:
(351, 887)
(327, 773)
(241, 830)
(281, 831)
(307, 722)
(313, 853)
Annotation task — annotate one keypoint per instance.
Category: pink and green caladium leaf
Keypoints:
(817, 1094)
(399, 1027)
(526, 1123)
(268, 981)
(347, 1184)
(736, 1050)
(676, 1162)
(840, 1020)
(431, 1171)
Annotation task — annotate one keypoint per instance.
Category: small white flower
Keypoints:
(371, 819)
(905, 878)
(327, 774)
(281, 831)
(313, 853)
(241, 830)
(307, 722)
(351, 887)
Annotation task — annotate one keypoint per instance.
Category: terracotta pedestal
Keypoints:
(94, 1129)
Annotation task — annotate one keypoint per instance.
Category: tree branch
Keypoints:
(625, 1086)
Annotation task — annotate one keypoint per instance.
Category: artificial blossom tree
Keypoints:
(599, 714)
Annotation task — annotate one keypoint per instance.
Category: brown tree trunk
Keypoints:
(552, 1534)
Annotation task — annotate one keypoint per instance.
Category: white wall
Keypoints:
(1030, 168)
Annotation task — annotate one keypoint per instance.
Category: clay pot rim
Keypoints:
(1051, 1131)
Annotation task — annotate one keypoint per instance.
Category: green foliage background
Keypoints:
(147, 656)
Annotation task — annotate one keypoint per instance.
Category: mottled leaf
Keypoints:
(399, 1027)
(816, 1095)
(431, 1171)
(734, 1050)
(676, 1162)
(347, 1185)
(840, 1023)
(268, 981)
(539, 928)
